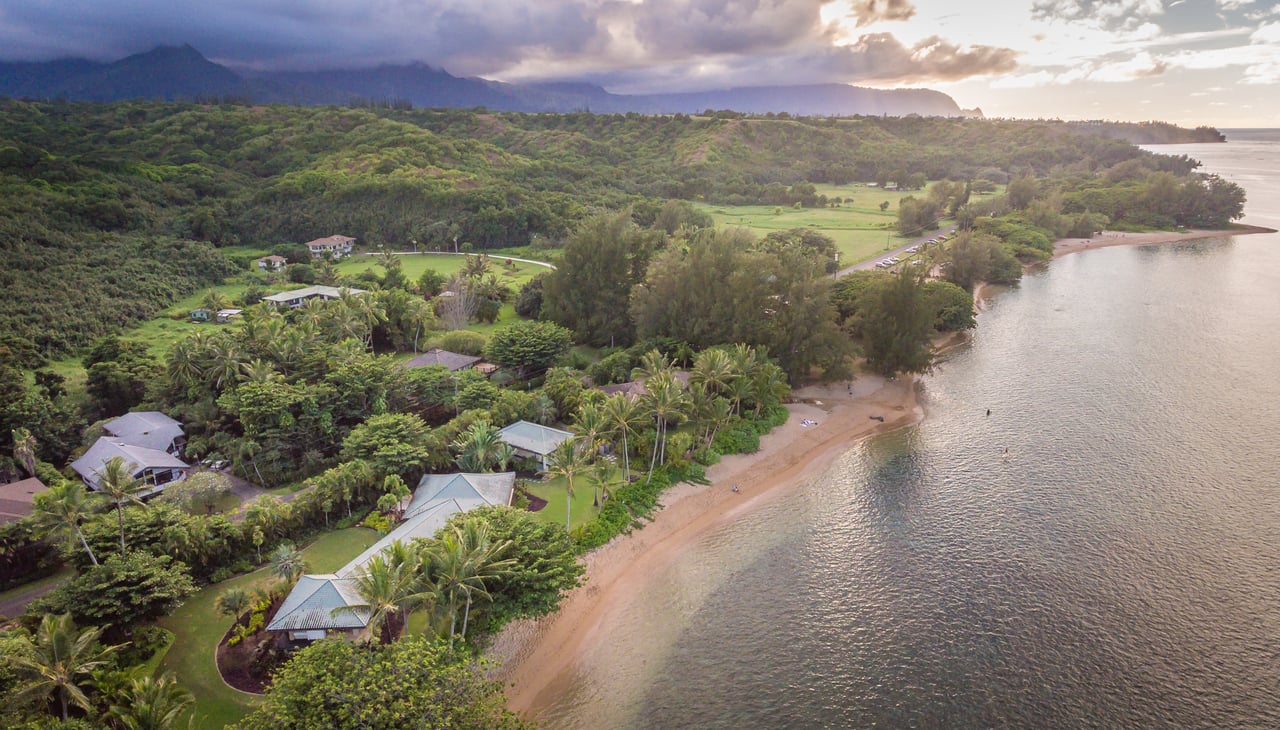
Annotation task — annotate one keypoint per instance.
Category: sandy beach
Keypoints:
(538, 657)
(1066, 246)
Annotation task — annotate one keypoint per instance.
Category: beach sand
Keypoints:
(1067, 246)
(539, 657)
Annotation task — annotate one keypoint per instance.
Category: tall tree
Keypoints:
(387, 588)
(24, 450)
(63, 507)
(461, 561)
(897, 325)
(623, 415)
(567, 461)
(119, 486)
(590, 289)
(61, 660)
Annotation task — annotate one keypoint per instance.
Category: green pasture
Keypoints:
(198, 627)
(447, 264)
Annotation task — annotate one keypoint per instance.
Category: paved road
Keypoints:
(899, 251)
(15, 605)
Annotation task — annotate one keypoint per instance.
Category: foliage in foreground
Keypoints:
(415, 683)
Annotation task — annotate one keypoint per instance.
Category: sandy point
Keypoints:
(1065, 246)
(539, 658)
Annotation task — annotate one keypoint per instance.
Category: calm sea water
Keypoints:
(1120, 569)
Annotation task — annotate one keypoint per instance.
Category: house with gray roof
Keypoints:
(452, 361)
(154, 467)
(313, 609)
(17, 499)
(534, 441)
(148, 429)
(299, 297)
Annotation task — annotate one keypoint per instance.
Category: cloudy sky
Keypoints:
(1186, 61)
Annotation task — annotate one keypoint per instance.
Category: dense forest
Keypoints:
(112, 211)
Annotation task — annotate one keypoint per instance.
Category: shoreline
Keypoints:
(1066, 246)
(538, 658)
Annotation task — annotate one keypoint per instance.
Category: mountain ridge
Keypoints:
(181, 72)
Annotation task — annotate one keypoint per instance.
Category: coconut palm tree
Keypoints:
(184, 365)
(623, 415)
(652, 364)
(567, 461)
(234, 602)
(388, 587)
(60, 661)
(24, 450)
(151, 703)
(63, 507)
(287, 562)
(460, 562)
(478, 447)
(590, 427)
(664, 398)
(214, 300)
(713, 370)
(259, 371)
(119, 486)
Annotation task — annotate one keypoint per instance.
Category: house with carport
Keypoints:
(533, 440)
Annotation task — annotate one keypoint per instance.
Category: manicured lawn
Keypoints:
(553, 491)
(198, 627)
(446, 264)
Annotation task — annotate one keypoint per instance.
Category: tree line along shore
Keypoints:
(658, 344)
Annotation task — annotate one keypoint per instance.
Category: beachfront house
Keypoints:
(299, 297)
(331, 247)
(315, 607)
(534, 441)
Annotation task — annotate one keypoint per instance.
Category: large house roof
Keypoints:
(437, 498)
(533, 437)
(149, 429)
(312, 602)
(328, 292)
(17, 498)
(105, 449)
(451, 360)
(327, 241)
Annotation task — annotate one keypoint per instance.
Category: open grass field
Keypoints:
(198, 627)
(446, 264)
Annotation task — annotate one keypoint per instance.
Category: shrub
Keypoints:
(463, 342)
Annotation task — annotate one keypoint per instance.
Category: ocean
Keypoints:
(1119, 568)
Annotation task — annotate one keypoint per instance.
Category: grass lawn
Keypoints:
(553, 491)
(198, 627)
(859, 228)
(446, 264)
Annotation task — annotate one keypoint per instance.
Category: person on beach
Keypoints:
(735, 487)
(988, 411)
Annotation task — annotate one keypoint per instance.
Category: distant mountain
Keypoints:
(180, 72)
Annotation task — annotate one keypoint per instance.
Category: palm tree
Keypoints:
(505, 454)
(652, 364)
(234, 602)
(24, 450)
(152, 703)
(118, 485)
(183, 365)
(478, 447)
(287, 562)
(768, 385)
(602, 472)
(260, 371)
(567, 461)
(664, 398)
(623, 413)
(461, 561)
(63, 507)
(713, 370)
(388, 587)
(590, 426)
(61, 658)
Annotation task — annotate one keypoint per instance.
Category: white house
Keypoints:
(272, 263)
(334, 247)
(312, 610)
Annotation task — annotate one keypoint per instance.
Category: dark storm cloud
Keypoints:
(651, 45)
